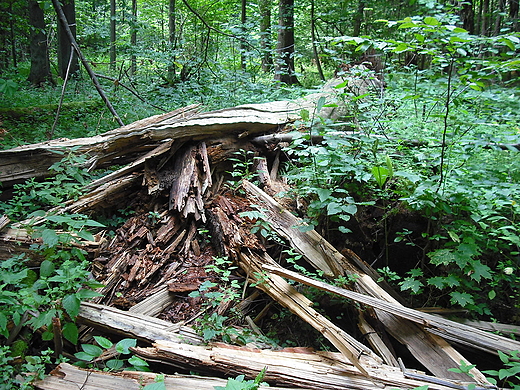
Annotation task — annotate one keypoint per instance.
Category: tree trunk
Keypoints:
(264, 8)
(64, 43)
(484, 16)
(172, 36)
(467, 16)
(358, 18)
(284, 69)
(133, 37)
(112, 34)
(498, 18)
(243, 18)
(40, 67)
(513, 13)
(314, 43)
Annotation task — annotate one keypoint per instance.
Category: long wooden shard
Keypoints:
(431, 350)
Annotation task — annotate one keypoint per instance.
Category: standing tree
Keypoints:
(315, 43)
(133, 37)
(243, 18)
(264, 8)
(284, 68)
(40, 67)
(112, 34)
(64, 43)
(172, 37)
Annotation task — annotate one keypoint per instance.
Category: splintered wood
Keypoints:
(179, 216)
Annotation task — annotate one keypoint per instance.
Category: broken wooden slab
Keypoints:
(131, 324)
(293, 367)
(431, 350)
(67, 377)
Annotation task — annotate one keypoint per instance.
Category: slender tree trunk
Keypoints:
(484, 16)
(264, 8)
(67, 30)
(172, 37)
(113, 57)
(467, 16)
(13, 40)
(314, 43)
(64, 43)
(498, 19)
(40, 68)
(358, 18)
(133, 37)
(284, 68)
(513, 13)
(243, 48)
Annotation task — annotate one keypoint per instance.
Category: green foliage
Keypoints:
(508, 376)
(8, 87)
(90, 356)
(239, 383)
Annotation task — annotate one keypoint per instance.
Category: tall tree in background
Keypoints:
(64, 44)
(172, 37)
(40, 67)
(315, 43)
(113, 34)
(133, 37)
(358, 18)
(467, 15)
(513, 13)
(243, 19)
(284, 68)
(264, 8)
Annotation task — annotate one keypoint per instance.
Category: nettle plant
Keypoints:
(40, 302)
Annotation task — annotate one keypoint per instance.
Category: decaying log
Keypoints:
(130, 324)
(67, 377)
(296, 367)
(431, 350)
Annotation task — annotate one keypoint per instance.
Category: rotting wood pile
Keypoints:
(174, 168)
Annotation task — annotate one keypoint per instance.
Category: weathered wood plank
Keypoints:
(67, 377)
(132, 324)
(431, 350)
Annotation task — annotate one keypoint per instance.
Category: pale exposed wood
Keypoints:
(136, 325)
(4, 221)
(376, 342)
(450, 330)
(432, 351)
(286, 295)
(298, 367)
(154, 304)
(67, 377)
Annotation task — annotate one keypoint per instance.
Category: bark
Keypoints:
(358, 18)
(40, 67)
(113, 57)
(133, 37)
(66, 36)
(315, 43)
(172, 37)
(284, 67)
(243, 47)
(264, 8)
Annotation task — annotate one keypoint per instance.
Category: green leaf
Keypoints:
(3, 321)
(323, 194)
(71, 304)
(50, 238)
(124, 345)
(136, 361)
(114, 364)
(431, 21)
(461, 298)
(85, 294)
(480, 271)
(92, 350)
(333, 208)
(492, 294)
(103, 342)
(437, 281)
(320, 104)
(70, 332)
(84, 356)
(155, 386)
(46, 268)
(411, 284)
